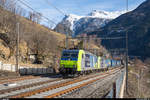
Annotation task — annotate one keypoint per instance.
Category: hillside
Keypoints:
(34, 39)
(38, 46)
(137, 24)
(138, 87)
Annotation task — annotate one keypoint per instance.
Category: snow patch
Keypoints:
(105, 14)
(72, 19)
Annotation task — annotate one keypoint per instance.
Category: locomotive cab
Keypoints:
(68, 63)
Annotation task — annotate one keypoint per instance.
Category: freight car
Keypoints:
(78, 62)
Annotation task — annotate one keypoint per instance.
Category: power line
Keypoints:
(64, 14)
(106, 38)
(17, 48)
(127, 53)
(37, 12)
(27, 5)
(60, 11)
(102, 38)
(118, 49)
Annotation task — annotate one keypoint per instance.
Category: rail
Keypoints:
(18, 79)
(55, 86)
(76, 87)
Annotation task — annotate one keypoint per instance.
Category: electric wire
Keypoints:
(60, 11)
(28, 6)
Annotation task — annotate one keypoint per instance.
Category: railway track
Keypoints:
(75, 87)
(56, 86)
(18, 79)
(6, 78)
(67, 89)
(51, 87)
(72, 88)
(26, 86)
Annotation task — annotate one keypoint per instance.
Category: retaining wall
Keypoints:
(25, 70)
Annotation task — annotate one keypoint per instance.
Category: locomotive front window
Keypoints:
(75, 55)
(66, 55)
(70, 55)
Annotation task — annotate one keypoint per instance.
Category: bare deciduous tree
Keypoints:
(35, 17)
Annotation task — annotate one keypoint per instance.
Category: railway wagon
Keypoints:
(108, 63)
(113, 63)
(118, 63)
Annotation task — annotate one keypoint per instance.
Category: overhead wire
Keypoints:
(28, 6)
(102, 38)
(64, 14)
(60, 11)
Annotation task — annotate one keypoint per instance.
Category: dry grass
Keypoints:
(144, 84)
(3, 50)
(27, 26)
(57, 35)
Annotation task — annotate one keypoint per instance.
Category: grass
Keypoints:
(57, 35)
(133, 84)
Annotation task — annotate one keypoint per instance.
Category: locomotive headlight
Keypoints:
(62, 65)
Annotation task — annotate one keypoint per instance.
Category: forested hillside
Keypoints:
(137, 24)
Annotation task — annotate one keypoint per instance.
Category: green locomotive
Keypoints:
(80, 62)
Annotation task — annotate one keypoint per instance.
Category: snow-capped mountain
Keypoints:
(137, 24)
(72, 19)
(105, 14)
(74, 24)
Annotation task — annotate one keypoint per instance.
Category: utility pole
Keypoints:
(88, 43)
(50, 26)
(66, 37)
(85, 40)
(127, 52)
(17, 49)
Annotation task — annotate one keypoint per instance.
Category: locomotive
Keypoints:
(78, 62)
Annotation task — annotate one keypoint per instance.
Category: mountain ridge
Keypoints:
(96, 19)
(136, 24)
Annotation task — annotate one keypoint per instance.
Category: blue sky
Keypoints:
(79, 7)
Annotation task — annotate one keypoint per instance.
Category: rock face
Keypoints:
(137, 24)
(75, 25)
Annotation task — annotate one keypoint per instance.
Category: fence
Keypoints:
(25, 70)
(117, 89)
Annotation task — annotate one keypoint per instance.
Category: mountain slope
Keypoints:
(137, 24)
(76, 25)
(34, 39)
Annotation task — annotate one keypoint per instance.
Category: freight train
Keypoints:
(78, 62)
